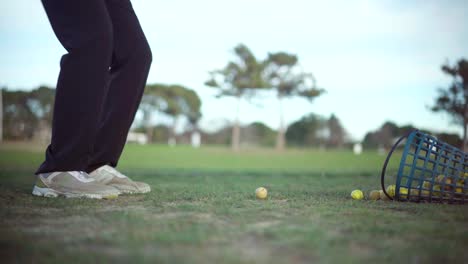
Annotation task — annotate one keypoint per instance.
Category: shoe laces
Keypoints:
(82, 176)
(114, 171)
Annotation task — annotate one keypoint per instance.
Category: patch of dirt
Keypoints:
(360, 249)
(202, 217)
(122, 208)
(179, 203)
(263, 225)
(252, 248)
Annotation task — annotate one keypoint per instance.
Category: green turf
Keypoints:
(157, 157)
(202, 210)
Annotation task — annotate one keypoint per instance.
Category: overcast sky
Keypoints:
(378, 60)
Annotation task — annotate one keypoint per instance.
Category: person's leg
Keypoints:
(85, 30)
(131, 62)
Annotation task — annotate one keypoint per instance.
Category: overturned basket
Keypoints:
(430, 171)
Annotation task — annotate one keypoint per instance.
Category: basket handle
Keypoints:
(384, 168)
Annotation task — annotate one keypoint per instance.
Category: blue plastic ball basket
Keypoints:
(430, 171)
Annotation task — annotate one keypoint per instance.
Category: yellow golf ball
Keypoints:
(374, 195)
(383, 196)
(357, 195)
(427, 185)
(404, 192)
(391, 190)
(261, 193)
(436, 191)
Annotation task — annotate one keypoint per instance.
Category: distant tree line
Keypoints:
(315, 130)
(28, 114)
(25, 113)
(389, 132)
(309, 131)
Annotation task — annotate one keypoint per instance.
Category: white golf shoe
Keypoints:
(72, 184)
(109, 176)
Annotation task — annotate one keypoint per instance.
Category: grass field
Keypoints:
(202, 210)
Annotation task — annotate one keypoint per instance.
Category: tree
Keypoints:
(41, 100)
(383, 137)
(257, 133)
(337, 133)
(283, 73)
(239, 78)
(24, 111)
(307, 131)
(153, 101)
(454, 99)
(181, 102)
(173, 100)
(387, 135)
(452, 139)
(190, 105)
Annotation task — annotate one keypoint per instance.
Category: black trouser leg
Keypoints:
(129, 70)
(85, 30)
